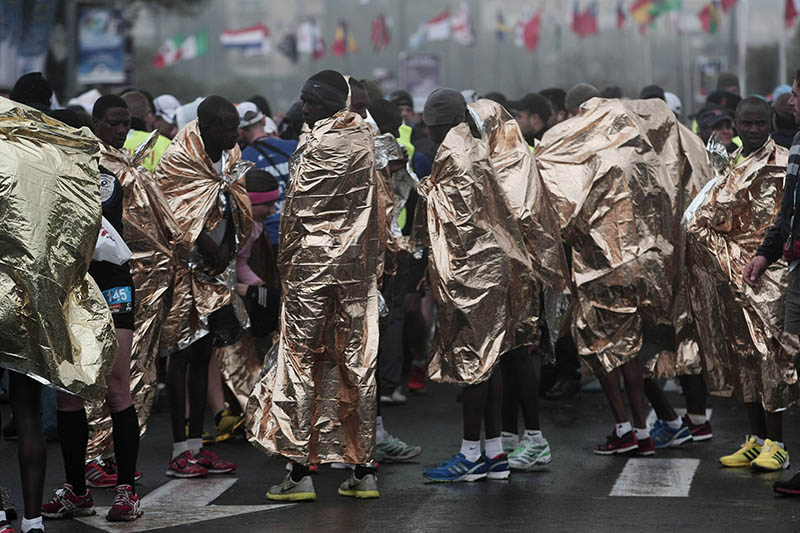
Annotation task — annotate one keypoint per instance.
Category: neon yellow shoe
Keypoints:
(771, 458)
(229, 423)
(366, 487)
(746, 454)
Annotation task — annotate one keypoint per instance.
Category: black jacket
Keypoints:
(772, 247)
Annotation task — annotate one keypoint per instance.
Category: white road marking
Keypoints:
(652, 417)
(180, 502)
(656, 477)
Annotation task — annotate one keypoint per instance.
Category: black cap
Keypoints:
(652, 91)
(401, 97)
(533, 103)
(710, 116)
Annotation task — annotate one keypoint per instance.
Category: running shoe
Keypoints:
(510, 441)
(496, 467)
(772, 458)
(113, 464)
(458, 468)
(229, 423)
(614, 444)
(185, 466)
(529, 454)
(209, 460)
(664, 436)
(646, 446)
(66, 504)
(293, 491)
(100, 474)
(700, 432)
(416, 379)
(393, 450)
(789, 488)
(366, 487)
(5, 527)
(395, 398)
(7, 505)
(126, 505)
(746, 454)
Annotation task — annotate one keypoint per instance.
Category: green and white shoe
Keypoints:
(366, 487)
(393, 450)
(293, 491)
(530, 454)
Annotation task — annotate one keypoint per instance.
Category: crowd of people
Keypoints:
(286, 270)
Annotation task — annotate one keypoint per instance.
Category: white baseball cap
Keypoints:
(166, 105)
(249, 114)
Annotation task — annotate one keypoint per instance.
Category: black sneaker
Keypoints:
(789, 488)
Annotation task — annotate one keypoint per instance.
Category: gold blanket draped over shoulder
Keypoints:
(740, 328)
(148, 231)
(480, 268)
(620, 175)
(196, 196)
(54, 322)
(317, 402)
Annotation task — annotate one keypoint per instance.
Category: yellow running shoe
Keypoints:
(746, 454)
(229, 423)
(771, 458)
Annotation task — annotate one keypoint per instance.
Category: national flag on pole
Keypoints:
(640, 11)
(790, 13)
(709, 17)
(438, 28)
(530, 32)
(727, 5)
(380, 34)
(318, 43)
(343, 40)
(660, 7)
(621, 18)
(500, 27)
(252, 41)
(462, 26)
(177, 48)
(588, 20)
(576, 18)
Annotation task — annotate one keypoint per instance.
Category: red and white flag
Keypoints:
(462, 26)
(438, 28)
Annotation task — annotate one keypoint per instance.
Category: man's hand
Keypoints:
(754, 269)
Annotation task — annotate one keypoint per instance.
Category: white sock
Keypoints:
(622, 428)
(531, 435)
(380, 433)
(759, 440)
(471, 449)
(642, 433)
(178, 448)
(674, 424)
(32, 523)
(2, 515)
(194, 445)
(494, 447)
(697, 420)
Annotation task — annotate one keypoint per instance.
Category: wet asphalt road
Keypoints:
(570, 494)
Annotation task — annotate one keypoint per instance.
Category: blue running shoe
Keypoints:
(457, 469)
(664, 436)
(496, 468)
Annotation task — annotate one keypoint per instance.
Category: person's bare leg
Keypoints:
(696, 394)
(613, 391)
(473, 407)
(510, 403)
(634, 388)
(216, 396)
(25, 406)
(657, 398)
(492, 413)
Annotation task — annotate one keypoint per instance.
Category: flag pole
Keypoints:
(743, 12)
(782, 38)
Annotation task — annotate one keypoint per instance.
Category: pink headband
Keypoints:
(264, 197)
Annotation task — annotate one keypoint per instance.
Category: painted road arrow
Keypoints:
(180, 502)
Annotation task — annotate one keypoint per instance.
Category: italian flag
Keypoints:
(177, 48)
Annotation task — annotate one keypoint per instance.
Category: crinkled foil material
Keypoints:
(195, 194)
(620, 176)
(240, 367)
(149, 230)
(740, 328)
(480, 268)
(317, 402)
(54, 323)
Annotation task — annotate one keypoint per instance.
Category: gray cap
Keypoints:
(579, 94)
(444, 107)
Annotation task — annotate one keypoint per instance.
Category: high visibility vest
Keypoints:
(136, 137)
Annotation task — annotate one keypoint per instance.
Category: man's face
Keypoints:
(794, 101)
(165, 128)
(529, 123)
(724, 130)
(313, 109)
(753, 125)
(359, 101)
(113, 128)
(222, 133)
(408, 114)
(732, 89)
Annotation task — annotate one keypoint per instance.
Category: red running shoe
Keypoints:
(126, 505)
(185, 466)
(646, 446)
(699, 432)
(416, 379)
(614, 444)
(5, 527)
(103, 474)
(66, 504)
(209, 460)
